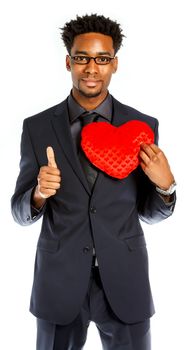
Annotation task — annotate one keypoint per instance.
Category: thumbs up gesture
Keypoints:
(48, 180)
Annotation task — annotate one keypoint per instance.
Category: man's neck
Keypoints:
(89, 103)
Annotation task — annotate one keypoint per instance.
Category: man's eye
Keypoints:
(103, 59)
(80, 58)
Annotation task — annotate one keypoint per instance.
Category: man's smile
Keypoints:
(90, 82)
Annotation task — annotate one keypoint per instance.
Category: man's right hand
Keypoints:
(48, 180)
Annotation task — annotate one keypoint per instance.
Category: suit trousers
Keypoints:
(114, 334)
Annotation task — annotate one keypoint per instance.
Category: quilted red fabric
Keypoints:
(115, 150)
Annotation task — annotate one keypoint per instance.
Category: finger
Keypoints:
(51, 157)
(44, 196)
(155, 148)
(45, 170)
(49, 185)
(52, 178)
(144, 157)
(49, 177)
(148, 150)
(143, 166)
(46, 193)
(45, 189)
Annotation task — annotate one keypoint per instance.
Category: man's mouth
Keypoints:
(90, 82)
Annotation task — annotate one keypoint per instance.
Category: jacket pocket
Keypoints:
(48, 245)
(136, 242)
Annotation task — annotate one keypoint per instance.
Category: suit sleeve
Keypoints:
(21, 207)
(151, 206)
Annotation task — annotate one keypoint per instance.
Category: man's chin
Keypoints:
(90, 94)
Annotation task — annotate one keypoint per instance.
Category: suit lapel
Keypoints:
(120, 114)
(61, 126)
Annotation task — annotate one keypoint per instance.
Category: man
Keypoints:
(91, 262)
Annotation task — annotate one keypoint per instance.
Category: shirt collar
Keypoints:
(104, 109)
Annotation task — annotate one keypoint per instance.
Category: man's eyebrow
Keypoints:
(104, 53)
(100, 53)
(81, 52)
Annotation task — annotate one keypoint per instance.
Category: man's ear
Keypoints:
(115, 64)
(68, 66)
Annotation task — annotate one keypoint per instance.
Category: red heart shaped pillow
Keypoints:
(115, 150)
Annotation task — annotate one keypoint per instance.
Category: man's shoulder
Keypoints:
(47, 113)
(133, 113)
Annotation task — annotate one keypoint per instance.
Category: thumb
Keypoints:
(51, 157)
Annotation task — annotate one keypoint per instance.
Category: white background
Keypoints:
(152, 77)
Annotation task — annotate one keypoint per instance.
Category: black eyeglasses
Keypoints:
(101, 60)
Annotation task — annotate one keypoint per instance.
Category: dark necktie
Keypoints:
(89, 169)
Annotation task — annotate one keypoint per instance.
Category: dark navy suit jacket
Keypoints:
(111, 214)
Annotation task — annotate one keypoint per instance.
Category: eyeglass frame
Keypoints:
(89, 58)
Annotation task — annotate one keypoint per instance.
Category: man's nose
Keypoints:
(91, 67)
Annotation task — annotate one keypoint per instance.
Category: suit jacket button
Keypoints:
(86, 249)
(28, 218)
(93, 210)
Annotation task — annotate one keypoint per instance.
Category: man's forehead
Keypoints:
(93, 42)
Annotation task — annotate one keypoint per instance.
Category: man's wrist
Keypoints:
(36, 200)
(167, 192)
